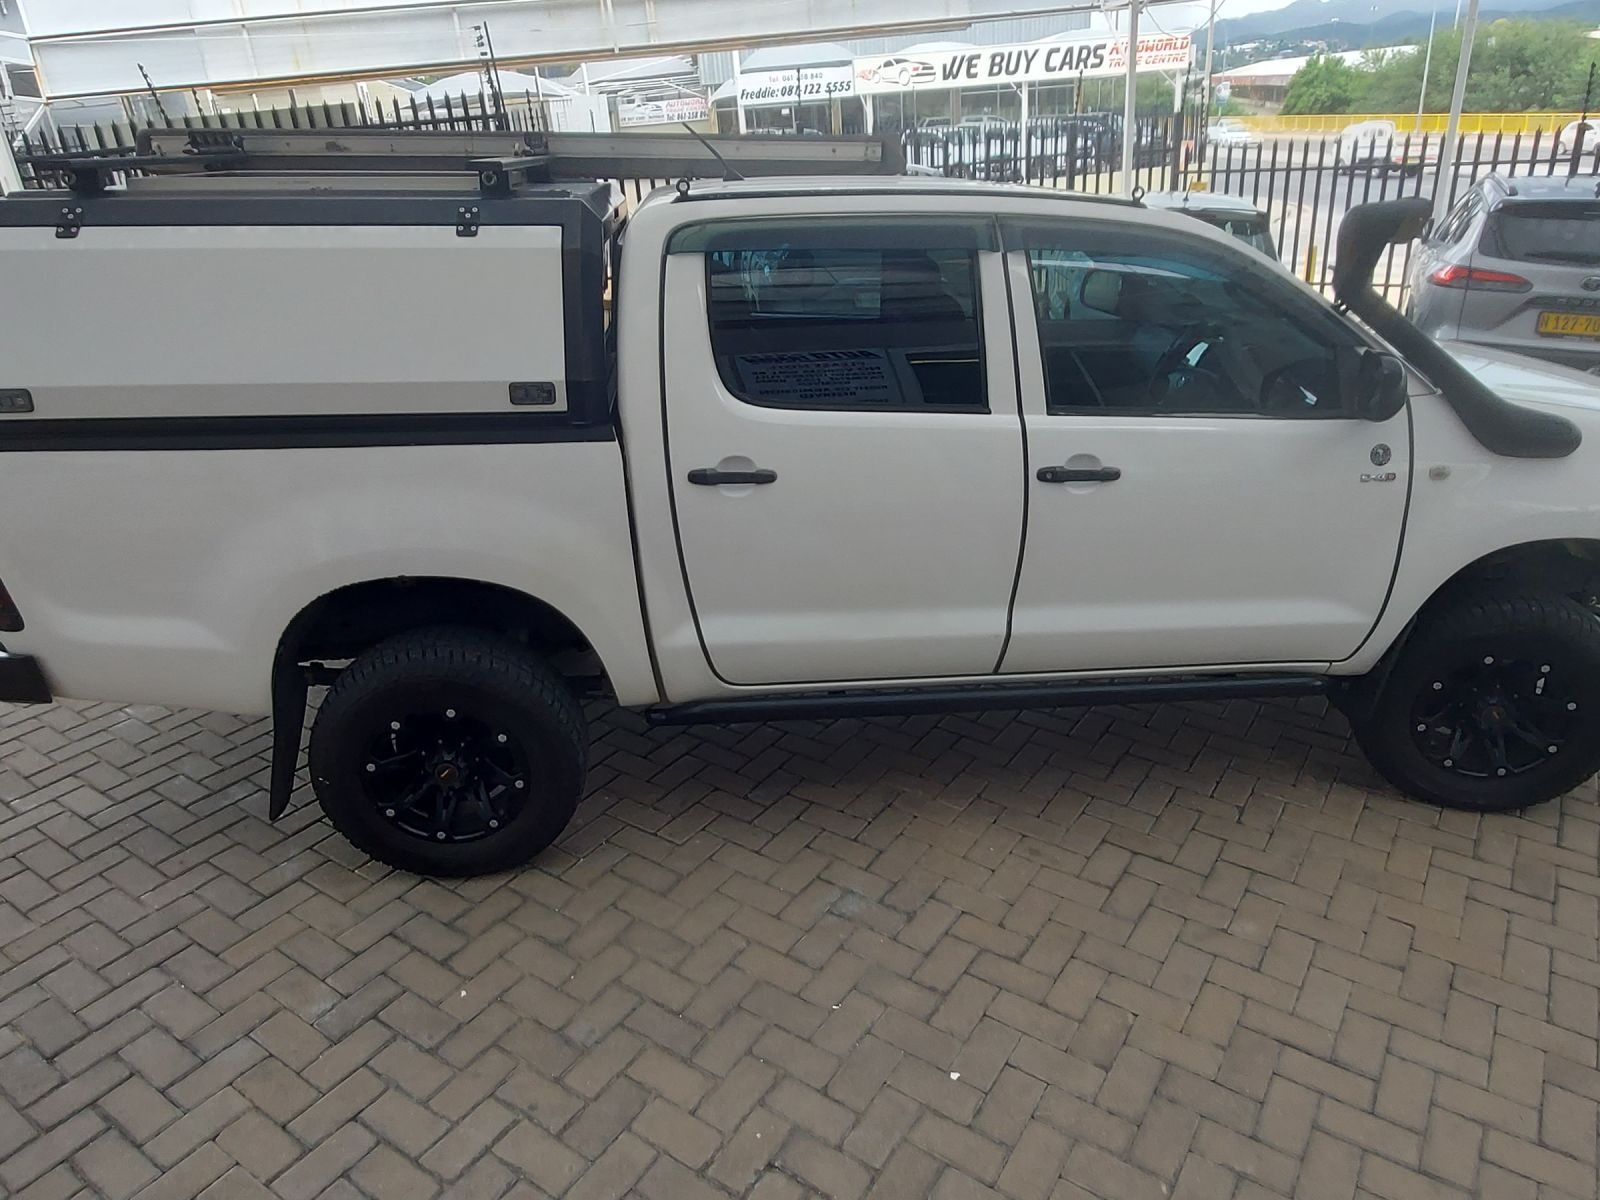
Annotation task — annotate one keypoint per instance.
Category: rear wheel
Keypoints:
(449, 752)
(1493, 705)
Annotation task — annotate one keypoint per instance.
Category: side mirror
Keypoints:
(1380, 387)
(1102, 291)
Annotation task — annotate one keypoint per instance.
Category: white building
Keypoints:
(95, 47)
(1267, 82)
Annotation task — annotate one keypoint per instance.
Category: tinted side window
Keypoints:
(877, 329)
(1136, 322)
(1457, 224)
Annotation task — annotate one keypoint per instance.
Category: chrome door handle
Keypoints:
(1079, 474)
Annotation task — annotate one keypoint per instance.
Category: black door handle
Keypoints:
(711, 477)
(1079, 474)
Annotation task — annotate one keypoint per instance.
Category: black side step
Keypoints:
(821, 706)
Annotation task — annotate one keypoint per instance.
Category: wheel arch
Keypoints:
(1566, 566)
(343, 623)
(350, 619)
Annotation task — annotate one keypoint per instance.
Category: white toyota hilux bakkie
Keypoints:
(423, 421)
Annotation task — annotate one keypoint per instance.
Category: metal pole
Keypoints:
(1583, 122)
(1023, 138)
(1175, 149)
(494, 80)
(1211, 38)
(1129, 102)
(1427, 63)
(1442, 187)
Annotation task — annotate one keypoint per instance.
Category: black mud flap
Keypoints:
(289, 689)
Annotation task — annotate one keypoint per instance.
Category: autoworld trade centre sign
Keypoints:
(1036, 62)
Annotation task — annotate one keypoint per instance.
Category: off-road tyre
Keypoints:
(449, 709)
(1451, 724)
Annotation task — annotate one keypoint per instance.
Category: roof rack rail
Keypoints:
(500, 161)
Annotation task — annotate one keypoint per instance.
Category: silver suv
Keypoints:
(1516, 266)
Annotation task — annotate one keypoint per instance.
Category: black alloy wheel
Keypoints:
(1495, 716)
(1493, 704)
(446, 776)
(449, 752)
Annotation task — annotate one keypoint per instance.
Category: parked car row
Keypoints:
(996, 149)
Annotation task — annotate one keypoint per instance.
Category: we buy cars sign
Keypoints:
(1036, 62)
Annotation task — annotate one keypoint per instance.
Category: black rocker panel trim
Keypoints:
(873, 702)
(292, 432)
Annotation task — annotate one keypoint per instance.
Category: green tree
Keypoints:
(1517, 66)
(1325, 85)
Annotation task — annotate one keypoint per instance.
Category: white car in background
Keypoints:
(1381, 146)
(1226, 131)
(1567, 139)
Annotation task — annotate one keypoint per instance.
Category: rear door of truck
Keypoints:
(844, 445)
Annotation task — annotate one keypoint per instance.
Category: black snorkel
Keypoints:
(1500, 426)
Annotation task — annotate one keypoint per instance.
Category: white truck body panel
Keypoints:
(168, 576)
(1468, 503)
(178, 594)
(237, 320)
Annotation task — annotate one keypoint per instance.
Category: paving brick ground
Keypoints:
(1130, 953)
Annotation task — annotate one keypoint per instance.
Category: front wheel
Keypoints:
(449, 752)
(1494, 705)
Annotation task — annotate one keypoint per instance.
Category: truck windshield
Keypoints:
(1548, 231)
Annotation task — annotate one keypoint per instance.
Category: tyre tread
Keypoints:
(453, 654)
(1480, 614)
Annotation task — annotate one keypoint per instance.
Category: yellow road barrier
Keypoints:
(1509, 123)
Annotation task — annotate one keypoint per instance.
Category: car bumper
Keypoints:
(1563, 353)
(22, 680)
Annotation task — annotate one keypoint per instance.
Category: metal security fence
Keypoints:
(1303, 185)
(1077, 153)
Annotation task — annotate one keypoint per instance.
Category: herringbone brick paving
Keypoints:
(1124, 953)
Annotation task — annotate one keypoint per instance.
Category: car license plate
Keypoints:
(1563, 324)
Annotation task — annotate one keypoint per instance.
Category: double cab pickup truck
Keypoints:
(434, 423)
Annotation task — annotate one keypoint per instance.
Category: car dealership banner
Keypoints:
(674, 111)
(1035, 62)
(810, 85)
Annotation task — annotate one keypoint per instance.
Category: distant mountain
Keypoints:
(1353, 24)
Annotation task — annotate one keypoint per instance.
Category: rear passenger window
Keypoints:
(1545, 231)
(885, 329)
(1144, 323)
(1457, 224)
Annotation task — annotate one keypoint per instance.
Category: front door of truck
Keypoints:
(844, 446)
(1201, 492)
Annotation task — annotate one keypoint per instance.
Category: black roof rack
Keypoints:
(500, 162)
